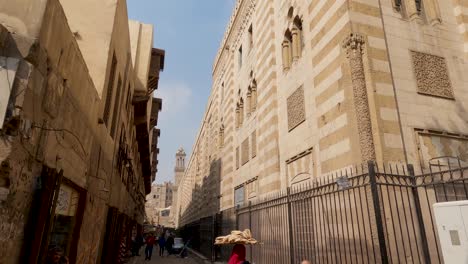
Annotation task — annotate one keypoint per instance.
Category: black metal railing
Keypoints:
(370, 214)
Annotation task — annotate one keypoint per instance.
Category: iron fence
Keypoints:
(370, 214)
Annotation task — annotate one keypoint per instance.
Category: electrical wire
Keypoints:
(63, 130)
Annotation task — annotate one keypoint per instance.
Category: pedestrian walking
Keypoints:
(169, 244)
(238, 255)
(137, 242)
(162, 244)
(150, 240)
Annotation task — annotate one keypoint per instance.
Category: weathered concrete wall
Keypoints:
(91, 31)
(24, 18)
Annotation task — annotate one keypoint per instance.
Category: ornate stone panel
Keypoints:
(300, 168)
(245, 151)
(432, 75)
(296, 108)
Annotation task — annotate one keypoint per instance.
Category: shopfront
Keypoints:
(56, 218)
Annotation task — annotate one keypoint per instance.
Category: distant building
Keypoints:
(179, 171)
(163, 197)
(159, 203)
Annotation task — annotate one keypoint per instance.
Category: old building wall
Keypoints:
(49, 133)
(428, 62)
(94, 29)
(54, 119)
(337, 83)
(24, 18)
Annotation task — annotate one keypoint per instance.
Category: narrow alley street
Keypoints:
(235, 131)
(156, 259)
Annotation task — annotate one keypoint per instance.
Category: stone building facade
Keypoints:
(304, 88)
(78, 147)
(162, 200)
(179, 170)
(159, 204)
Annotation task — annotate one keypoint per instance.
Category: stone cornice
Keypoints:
(238, 22)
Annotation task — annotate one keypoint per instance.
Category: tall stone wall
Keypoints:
(336, 84)
(53, 121)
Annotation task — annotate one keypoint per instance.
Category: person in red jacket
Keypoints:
(150, 241)
(238, 255)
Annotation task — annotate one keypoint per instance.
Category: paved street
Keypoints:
(156, 259)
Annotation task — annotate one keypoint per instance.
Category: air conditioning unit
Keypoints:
(8, 68)
(452, 226)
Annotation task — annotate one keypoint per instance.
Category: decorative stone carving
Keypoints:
(431, 75)
(353, 45)
(296, 108)
(245, 151)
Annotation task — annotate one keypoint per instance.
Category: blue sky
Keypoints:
(190, 31)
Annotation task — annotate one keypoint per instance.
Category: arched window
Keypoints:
(287, 52)
(297, 39)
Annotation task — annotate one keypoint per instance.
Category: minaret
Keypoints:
(180, 166)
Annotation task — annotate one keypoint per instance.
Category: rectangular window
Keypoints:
(418, 5)
(239, 196)
(116, 111)
(237, 158)
(240, 57)
(250, 38)
(110, 91)
(7, 77)
(245, 151)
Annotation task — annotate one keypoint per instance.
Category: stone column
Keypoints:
(296, 43)
(354, 49)
(411, 9)
(286, 55)
(431, 7)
